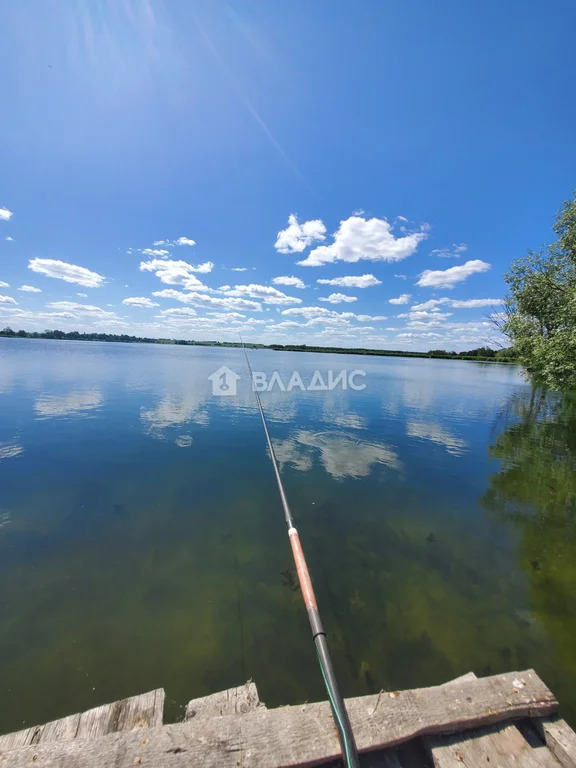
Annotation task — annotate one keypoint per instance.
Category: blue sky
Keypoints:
(341, 154)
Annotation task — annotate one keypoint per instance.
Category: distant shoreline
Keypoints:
(494, 357)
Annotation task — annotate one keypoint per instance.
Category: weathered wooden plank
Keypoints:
(303, 735)
(507, 741)
(57, 730)
(64, 729)
(501, 746)
(560, 740)
(462, 679)
(233, 701)
(134, 713)
(144, 711)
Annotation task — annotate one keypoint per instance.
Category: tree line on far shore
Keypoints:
(481, 353)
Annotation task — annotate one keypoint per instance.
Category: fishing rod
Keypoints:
(339, 713)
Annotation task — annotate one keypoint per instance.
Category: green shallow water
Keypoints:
(142, 542)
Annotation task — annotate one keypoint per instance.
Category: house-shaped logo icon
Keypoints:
(224, 382)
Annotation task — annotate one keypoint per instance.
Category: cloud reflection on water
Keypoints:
(9, 450)
(437, 434)
(174, 409)
(340, 454)
(75, 403)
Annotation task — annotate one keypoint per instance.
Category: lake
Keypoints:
(143, 545)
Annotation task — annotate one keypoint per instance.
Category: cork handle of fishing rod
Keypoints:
(305, 584)
(302, 569)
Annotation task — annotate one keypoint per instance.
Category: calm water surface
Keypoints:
(142, 542)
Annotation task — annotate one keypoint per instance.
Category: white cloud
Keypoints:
(5, 214)
(422, 317)
(454, 252)
(231, 316)
(474, 303)
(338, 324)
(448, 278)
(4, 285)
(139, 301)
(7, 300)
(9, 239)
(178, 241)
(71, 273)
(203, 300)
(297, 237)
(295, 282)
(82, 295)
(352, 281)
(457, 303)
(204, 268)
(417, 335)
(309, 312)
(240, 269)
(265, 293)
(325, 316)
(221, 321)
(160, 253)
(404, 298)
(80, 309)
(338, 298)
(289, 324)
(21, 314)
(177, 272)
(30, 289)
(179, 312)
(401, 277)
(360, 239)
(426, 305)
(370, 318)
(448, 334)
(312, 313)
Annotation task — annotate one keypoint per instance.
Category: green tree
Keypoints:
(540, 310)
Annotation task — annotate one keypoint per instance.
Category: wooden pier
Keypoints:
(502, 721)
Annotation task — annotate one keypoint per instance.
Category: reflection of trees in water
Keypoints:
(536, 489)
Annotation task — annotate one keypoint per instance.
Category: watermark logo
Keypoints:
(224, 381)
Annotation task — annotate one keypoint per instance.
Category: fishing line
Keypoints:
(339, 713)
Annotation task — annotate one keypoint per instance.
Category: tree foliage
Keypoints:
(540, 310)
